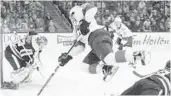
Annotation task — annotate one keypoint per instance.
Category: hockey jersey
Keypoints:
(122, 31)
(25, 48)
(163, 81)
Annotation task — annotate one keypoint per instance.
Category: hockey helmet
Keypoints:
(86, 11)
(76, 15)
(118, 21)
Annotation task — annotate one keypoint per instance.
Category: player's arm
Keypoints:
(78, 48)
(36, 55)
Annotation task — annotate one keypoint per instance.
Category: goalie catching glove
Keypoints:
(64, 58)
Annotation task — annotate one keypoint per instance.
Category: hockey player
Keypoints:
(98, 39)
(123, 33)
(157, 84)
(26, 51)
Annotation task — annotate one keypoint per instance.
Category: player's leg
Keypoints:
(91, 63)
(9, 56)
(132, 56)
(101, 42)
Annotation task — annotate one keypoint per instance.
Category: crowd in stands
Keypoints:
(24, 16)
(139, 16)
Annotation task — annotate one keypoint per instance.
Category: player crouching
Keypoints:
(26, 51)
(98, 39)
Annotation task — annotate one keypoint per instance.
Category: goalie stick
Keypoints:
(56, 69)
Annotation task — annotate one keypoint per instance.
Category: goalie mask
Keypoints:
(41, 41)
(82, 16)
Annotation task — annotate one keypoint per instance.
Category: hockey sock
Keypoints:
(95, 68)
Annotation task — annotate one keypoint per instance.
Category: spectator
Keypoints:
(138, 25)
(119, 8)
(132, 6)
(32, 27)
(157, 6)
(3, 11)
(114, 14)
(5, 28)
(11, 24)
(127, 17)
(161, 26)
(154, 27)
(142, 17)
(108, 18)
(47, 20)
(155, 15)
(39, 24)
(51, 28)
(167, 24)
(132, 23)
(146, 26)
(98, 21)
(167, 10)
(125, 9)
(142, 7)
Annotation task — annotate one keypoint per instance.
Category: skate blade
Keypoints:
(109, 77)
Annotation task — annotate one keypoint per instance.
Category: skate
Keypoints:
(109, 71)
(142, 56)
(10, 85)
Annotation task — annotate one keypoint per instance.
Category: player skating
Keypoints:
(123, 35)
(26, 51)
(123, 38)
(100, 42)
(156, 84)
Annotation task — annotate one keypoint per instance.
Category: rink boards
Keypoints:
(72, 81)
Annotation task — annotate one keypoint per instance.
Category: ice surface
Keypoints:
(72, 81)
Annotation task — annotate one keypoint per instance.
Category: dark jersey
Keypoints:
(153, 85)
(23, 49)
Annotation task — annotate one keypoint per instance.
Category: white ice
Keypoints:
(72, 81)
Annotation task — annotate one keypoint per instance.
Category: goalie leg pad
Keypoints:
(10, 59)
(20, 74)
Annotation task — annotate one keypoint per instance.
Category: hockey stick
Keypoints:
(143, 76)
(56, 69)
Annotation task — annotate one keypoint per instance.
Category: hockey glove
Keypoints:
(64, 58)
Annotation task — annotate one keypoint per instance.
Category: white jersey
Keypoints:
(122, 31)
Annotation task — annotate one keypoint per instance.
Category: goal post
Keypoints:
(1, 58)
